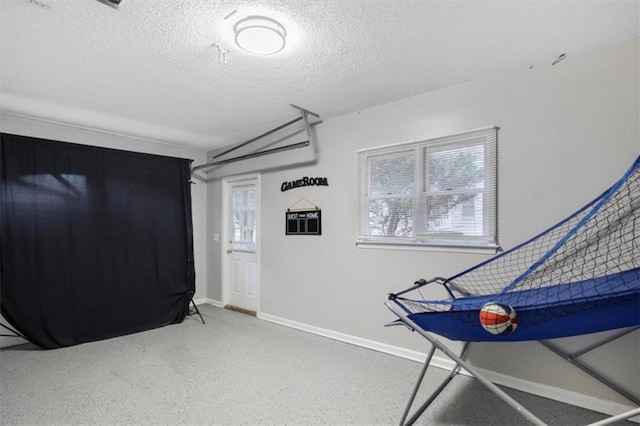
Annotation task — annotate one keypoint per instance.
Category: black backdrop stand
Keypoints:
(196, 310)
(72, 217)
(15, 333)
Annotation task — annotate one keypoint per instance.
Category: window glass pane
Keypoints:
(452, 169)
(392, 175)
(469, 209)
(390, 217)
(244, 220)
(454, 215)
(453, 202)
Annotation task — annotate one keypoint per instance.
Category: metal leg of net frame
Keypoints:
(572, 358)
(461, 362)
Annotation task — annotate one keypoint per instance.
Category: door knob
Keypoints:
(229, 251)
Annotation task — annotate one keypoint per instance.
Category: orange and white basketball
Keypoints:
(498, 319)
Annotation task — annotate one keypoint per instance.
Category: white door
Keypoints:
(241, 254)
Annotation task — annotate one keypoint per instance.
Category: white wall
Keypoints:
(567, 132)
(26, 127)
(214, 225)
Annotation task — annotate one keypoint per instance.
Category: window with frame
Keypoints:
(436, 192)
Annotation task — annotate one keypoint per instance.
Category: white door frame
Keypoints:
(226, 217)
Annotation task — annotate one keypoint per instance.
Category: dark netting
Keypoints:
(590, 256)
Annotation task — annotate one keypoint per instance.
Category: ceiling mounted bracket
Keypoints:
(304, 116)
(305, 113)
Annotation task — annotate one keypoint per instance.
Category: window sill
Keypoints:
(474, 249)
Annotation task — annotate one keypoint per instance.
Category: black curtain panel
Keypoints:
(95, 242)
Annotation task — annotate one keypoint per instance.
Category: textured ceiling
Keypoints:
(151, 68)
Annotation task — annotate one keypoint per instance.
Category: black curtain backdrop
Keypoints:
(95, 242)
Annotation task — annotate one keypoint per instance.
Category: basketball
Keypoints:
(498, 319)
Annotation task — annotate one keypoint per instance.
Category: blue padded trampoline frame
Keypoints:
(461, 362)
(627, 321)
(589, 312)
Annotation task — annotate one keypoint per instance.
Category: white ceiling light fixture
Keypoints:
(260, 35)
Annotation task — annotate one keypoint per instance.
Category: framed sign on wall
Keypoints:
(304, 222)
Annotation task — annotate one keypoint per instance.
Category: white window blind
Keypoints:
(441, 191)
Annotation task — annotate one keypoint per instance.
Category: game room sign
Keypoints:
(305, 181)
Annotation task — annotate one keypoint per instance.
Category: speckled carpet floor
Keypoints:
(237, 369)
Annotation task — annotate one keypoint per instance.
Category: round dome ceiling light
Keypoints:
(260, 35)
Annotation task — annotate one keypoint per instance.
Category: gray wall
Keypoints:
(567, 132)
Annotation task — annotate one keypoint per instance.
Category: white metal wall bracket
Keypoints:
(304, 117)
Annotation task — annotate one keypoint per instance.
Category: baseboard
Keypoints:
(436, 361)
(558, 394)
(551, 392)
(212, 302)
